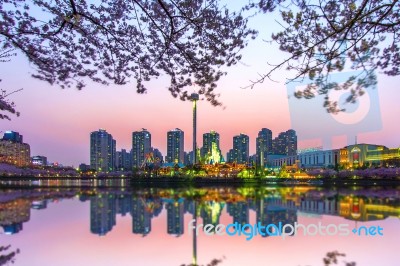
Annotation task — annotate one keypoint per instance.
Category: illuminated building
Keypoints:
(241, 148)
(194, 98)
(13, 136)
(175, 146)
(13, 150)
(211, 151)
(361, 155)
(39, 160)
(313, 159)
(141, 146)
(230, 156)
(102, 151)
(285, 143)
(124, 160)
(263, 145)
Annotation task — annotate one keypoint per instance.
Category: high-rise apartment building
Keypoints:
(263, 145)
(141, 146)
(285, 143)
(13, 150)
(241, 148)
(211, 151)
(175, 146)
(124, 160)
(102, 151)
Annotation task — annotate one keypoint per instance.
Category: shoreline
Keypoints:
(8, 182)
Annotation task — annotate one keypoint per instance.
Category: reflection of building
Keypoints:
(13, 150)
(362, 209)
(239, 211)
(141, 216)
(13, 214)
(39, 204)
(124, 204)
(102, 151)
(211, 211)
(141, 146)
(175, 212)
(240, 149)
(102, 213)
(175, 146)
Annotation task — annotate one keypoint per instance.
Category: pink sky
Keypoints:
(57, 123)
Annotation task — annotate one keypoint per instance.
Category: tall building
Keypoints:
(13, 150)
(157, 155)
(241, 149)
(175, 146)
(141, 146)
(13, 136)
(285, 143)
(211, 151)
(230, 156)
(123, 160)
(102, 151)
(291, 142)
(263, 145)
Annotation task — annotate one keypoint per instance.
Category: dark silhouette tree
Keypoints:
(6, 106)
(191, 41)
(118, 40)
(7, 256)
(328, 36)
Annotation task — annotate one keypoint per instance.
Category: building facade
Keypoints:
(211, 152)
(263, 145)
(141, 147)
(39, 160)
(123, 160)
(175, 146)
(102, 151)
(13, 150)
(368, 155)
(285, 143)
(241, 149)
(313, 159)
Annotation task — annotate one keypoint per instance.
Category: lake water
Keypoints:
(154, 226)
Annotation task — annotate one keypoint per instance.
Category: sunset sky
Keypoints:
(57, 123)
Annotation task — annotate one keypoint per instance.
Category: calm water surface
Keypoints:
(150, 226)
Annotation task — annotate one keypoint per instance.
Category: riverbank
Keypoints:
(166, 181)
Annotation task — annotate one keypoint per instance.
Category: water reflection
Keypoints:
(271, 205)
